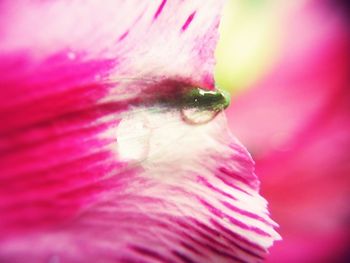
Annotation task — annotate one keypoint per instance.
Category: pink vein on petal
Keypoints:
(160, 8)
(188, 21)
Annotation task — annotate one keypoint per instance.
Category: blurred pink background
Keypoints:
(294, 119)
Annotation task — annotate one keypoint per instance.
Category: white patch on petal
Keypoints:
(133, 135)
(160, 138)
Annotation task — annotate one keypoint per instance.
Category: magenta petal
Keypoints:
(87, 173)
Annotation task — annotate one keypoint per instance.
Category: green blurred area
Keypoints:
(248, 45)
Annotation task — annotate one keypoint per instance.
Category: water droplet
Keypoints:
(201, 106)
(198, 116)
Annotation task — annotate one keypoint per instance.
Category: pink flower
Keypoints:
(296, 124)
(103, 156)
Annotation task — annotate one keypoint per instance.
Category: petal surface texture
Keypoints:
(97, 162)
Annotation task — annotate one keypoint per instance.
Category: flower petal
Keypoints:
(94, 167)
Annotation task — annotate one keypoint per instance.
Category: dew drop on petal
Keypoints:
(197, 115)
(201, 106)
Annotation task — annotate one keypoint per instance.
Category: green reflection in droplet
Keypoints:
(201, 106)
